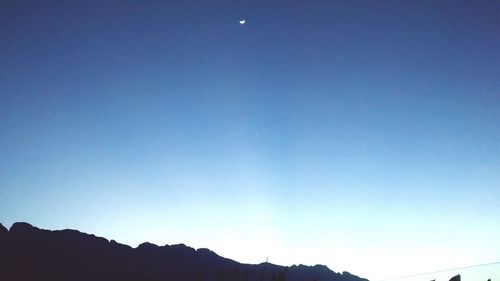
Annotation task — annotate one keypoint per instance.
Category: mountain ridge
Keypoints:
(30, 253)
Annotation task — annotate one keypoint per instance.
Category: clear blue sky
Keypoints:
(357, 134)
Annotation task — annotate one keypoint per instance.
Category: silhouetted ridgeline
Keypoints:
(28, 253)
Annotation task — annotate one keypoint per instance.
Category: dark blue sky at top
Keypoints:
(370, 110)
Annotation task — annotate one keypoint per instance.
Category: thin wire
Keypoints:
(438, 271)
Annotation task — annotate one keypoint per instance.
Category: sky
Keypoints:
(357, 134)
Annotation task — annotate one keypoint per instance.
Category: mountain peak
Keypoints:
(22, 227)
(147, 245)
(3, 229)
(206, 251)
(181, 246)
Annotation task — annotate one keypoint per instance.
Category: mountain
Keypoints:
(28, 253)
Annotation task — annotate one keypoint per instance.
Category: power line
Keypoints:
(438, 271)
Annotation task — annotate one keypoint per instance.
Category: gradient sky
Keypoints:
(364, 135)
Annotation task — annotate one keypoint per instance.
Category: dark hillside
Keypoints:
(29, 253)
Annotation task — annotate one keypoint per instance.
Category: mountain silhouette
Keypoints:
(29, 253)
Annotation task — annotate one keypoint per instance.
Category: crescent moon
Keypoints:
(242, 21)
